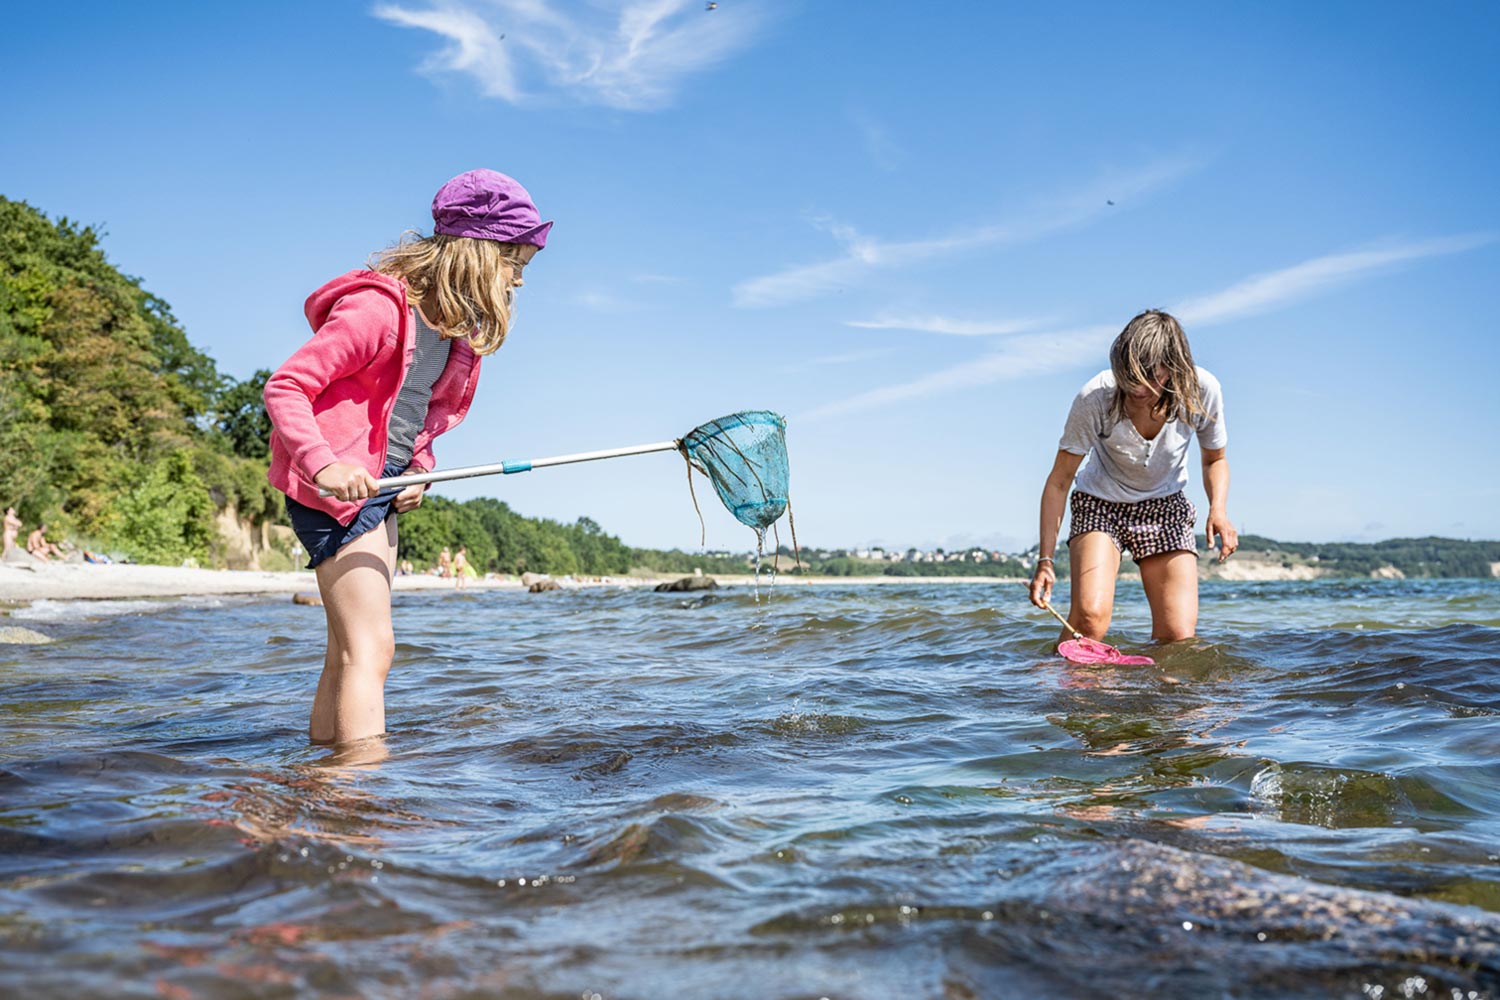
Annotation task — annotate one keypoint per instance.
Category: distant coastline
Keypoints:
(21, 585)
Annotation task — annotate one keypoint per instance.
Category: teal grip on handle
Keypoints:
(510, 467)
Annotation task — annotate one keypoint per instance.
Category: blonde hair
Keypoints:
(464, 284)
(1155, 338)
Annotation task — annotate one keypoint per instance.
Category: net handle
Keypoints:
(509, 468)
(1073, 631)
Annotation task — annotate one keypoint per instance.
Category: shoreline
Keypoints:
(21, 585)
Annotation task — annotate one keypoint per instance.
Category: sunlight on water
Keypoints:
(894, 790)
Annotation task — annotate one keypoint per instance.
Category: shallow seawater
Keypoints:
(844, 792)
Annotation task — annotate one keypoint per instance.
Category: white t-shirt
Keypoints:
(1124, 467)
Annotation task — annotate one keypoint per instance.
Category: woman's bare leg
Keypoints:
(355, 583)
(1171, 582)
(1093, 566)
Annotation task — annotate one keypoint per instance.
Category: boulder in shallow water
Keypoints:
(315, 600)
(542, 586)
(687, 583)
(528, 580)
(18, 636)
(1218, 927)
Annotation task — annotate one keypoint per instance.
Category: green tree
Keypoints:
(239, 414)
(99, 386)
(167, 518)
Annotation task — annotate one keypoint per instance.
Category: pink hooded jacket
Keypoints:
(331, 401)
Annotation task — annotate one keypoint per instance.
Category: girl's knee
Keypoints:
(368, 651)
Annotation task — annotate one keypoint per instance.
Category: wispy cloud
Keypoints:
(945, 325)
(1041, 353)
(606, 302)
(1268, 291)
(863, 255)
(632, 54)
(847, 358)
(884, 152)
(1030, 354)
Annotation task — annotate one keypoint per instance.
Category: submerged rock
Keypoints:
(18, 636)
(1222, 927)
(542, 586)
(315, 600)
(697, 602)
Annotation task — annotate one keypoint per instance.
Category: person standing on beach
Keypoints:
(445, 563)
(461, 568)
(392, 364)
(1134, 421)
(13, 527)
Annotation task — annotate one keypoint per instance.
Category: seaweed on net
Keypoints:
(744, 456)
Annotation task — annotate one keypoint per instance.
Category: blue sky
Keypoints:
(889, 221)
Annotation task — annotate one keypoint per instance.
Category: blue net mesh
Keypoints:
(744, 456)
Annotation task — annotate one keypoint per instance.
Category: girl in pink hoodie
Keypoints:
(392, 364)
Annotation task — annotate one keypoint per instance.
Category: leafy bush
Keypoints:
(167, 518)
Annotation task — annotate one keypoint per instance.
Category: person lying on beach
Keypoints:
(37, 544)
(392, 364)
(13, 527)
(1134, 422)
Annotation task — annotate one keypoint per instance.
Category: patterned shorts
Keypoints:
(1148, 528)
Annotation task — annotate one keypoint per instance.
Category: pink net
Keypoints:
(1093, 651)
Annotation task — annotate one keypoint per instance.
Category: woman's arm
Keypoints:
(1054, 499)
(1216, 485)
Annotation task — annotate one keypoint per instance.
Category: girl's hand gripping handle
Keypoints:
(347, 482)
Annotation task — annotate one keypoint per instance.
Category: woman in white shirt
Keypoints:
(1134, 423)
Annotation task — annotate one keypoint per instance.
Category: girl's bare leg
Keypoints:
(1093, 566)
(355, 583)
(1171, 582)
(320, 727)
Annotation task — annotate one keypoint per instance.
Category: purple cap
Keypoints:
(488, 205)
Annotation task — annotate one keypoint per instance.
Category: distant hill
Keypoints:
(1432, 556)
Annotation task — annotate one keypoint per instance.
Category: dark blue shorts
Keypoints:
(322, 535)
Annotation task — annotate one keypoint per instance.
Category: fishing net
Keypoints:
(744, 456)
(1086, 650)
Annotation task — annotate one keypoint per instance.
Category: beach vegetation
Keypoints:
(167, 518)
(107, 425)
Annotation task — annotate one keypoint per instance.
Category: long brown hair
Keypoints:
(466, 281)
(1155, 338)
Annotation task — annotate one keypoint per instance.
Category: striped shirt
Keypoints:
(429, 358)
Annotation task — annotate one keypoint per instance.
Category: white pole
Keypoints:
(506, 468)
